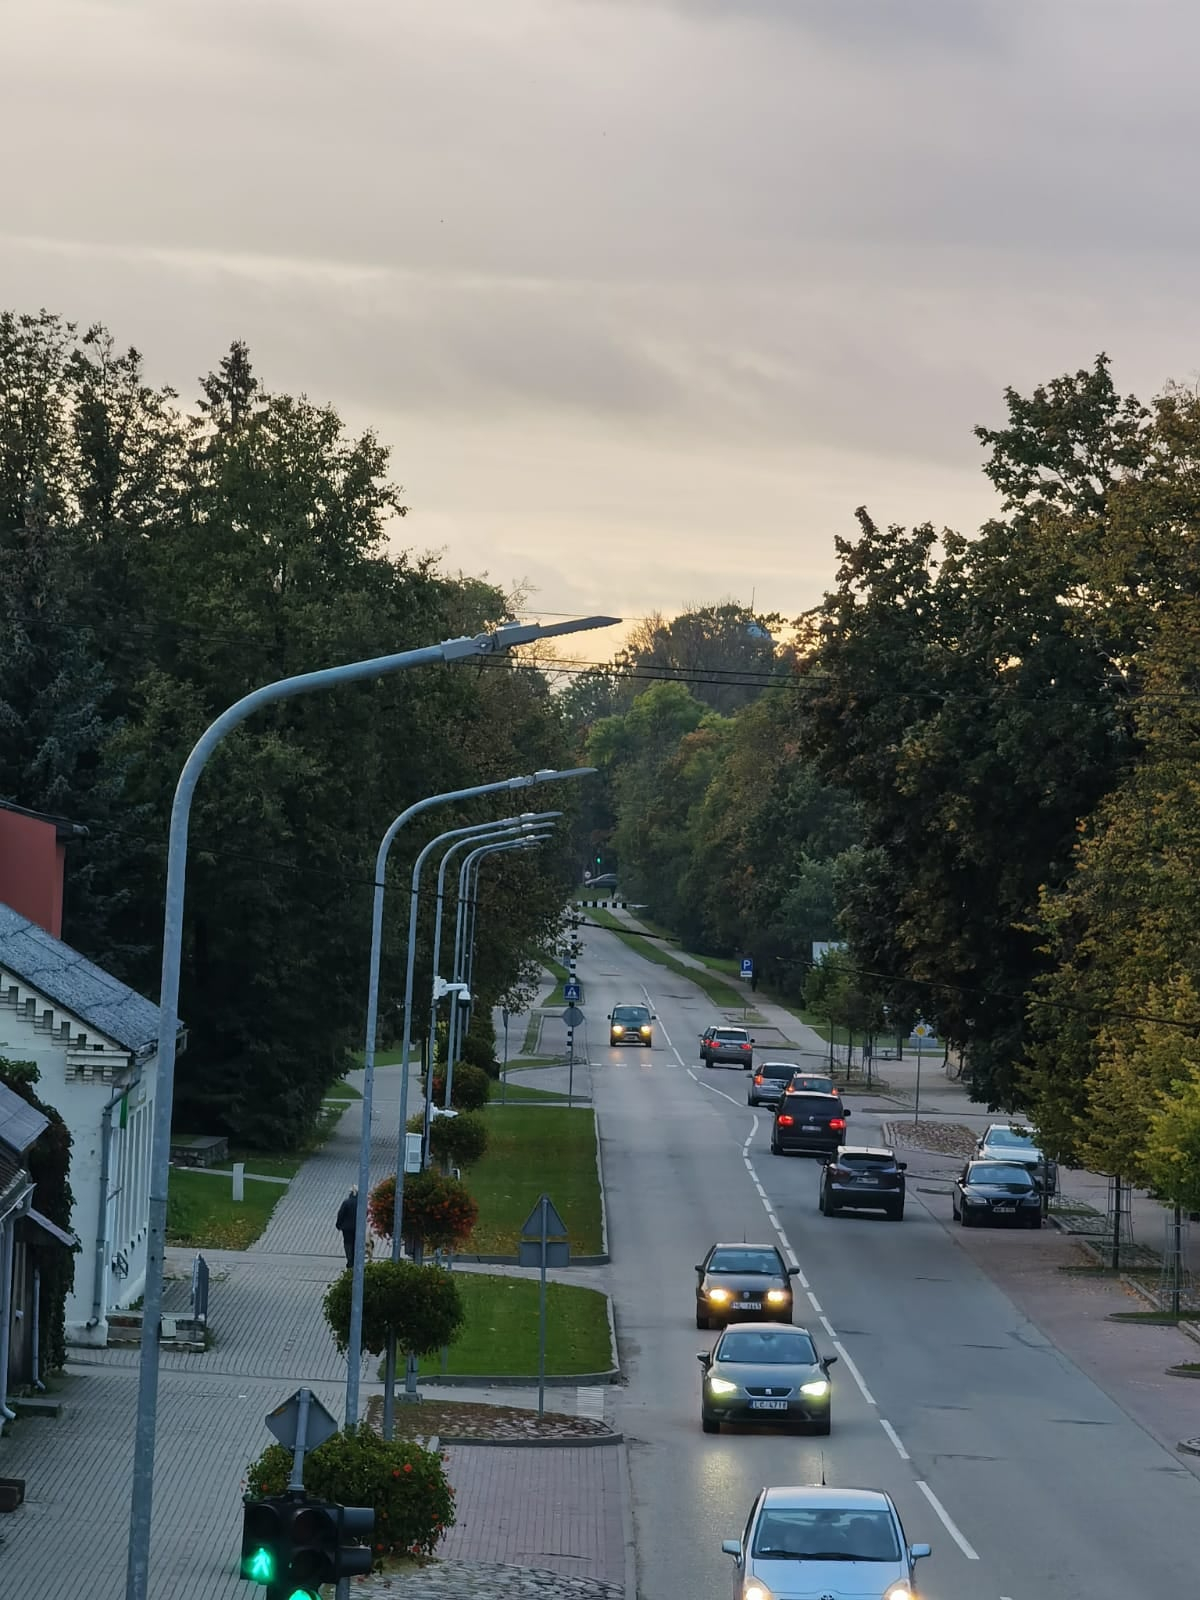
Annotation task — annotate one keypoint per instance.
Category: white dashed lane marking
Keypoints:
(900, 1450)
(947, 1521)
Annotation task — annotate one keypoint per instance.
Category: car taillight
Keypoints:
(786, 1122)
(837, 1122)
(745, 1047)
(758, 1078)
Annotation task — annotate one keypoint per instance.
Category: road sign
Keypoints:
(320, 1425)
(573, 1017)
(543, 1243)
(747, 968)
(556, 1228)
(571, 993)
(922, 1030)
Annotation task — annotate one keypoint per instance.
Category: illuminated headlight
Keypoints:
(818, 1388)
(617, 1028)
(898, 1591)
(721, 1386)
(756, 1591)
(776, 1297)
(717, 1296)
(645, 1029)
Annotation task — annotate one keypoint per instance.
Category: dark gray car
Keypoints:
(996, 1191)
(732, 1045)
(768, 1373)
(743, 1280)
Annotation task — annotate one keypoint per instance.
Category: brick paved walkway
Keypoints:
(270, 1337)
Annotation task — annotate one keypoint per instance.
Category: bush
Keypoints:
(406, 1485)
(460, 1141)
(439, 1213)
(479, 1052)
(469, 1091)
(420, 1305)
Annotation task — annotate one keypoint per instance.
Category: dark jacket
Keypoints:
(347, 1214)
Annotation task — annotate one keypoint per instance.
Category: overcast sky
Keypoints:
(646, 295)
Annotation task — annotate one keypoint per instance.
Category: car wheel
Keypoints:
(701, 1319)
(821, 1199)
(709, 1424)
(776, 1148)
(964, 1218)
(825, 1425)
(1035, 1222)
(897, 1213)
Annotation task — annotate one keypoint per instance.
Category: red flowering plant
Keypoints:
(439, 1212)
(406, 1485)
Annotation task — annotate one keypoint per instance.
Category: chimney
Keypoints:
(33, 853)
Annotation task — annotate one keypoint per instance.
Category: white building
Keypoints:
(94, 1041)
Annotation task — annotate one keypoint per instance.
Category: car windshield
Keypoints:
(814, 1085)
(999, 1172)
(826, 1534)
(847, 1160)
(1010, 1138)
(811, 1104)
(630, 1014)
(736, 1035)
(745, 1261)
(772, 1069)
(785, 1347)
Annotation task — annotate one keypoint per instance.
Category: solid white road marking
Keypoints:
(946, 1520)
(900, 1450)
(854, 1372)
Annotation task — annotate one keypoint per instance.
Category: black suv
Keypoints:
(812, 1124)
(863, 1178)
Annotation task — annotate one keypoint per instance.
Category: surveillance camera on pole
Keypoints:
(441, 988)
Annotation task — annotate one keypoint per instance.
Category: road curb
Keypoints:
(513, 1261)
(627, 1528)
(479, 1380)
(596, 1441)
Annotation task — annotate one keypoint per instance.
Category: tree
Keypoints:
(420, 1306)
(725, 653)
(439, 1213)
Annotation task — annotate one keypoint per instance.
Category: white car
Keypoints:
(818, 1540)
(1005, 1141)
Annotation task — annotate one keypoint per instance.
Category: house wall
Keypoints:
(31, 869)
(80, 1073)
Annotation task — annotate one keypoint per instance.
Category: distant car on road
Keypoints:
(606, 880)
(808, 1124)
(765, 1374)
(742, 1280)
(631, 1025)
(813, 1083)
(842, 1541)
(996, 1191)
(731, 1045)
(1005, 1142)
(770, 1079)
(864, 1178)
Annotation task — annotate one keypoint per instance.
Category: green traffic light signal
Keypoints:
(259, 1567)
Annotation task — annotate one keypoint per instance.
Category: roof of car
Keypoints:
(867, 1150)
(741, 1244)
(1007, 1127)
(818, 1094)
(821, 1494)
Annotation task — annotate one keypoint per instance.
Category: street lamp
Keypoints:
(505, 637)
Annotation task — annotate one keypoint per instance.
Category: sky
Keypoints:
(646, 296)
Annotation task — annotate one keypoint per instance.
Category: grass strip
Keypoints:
(500, 1336)
(534, 1150)
(202, 1212)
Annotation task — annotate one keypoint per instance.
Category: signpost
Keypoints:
(920, 1033)
(572, 993)
(543, 1243)
(573, 1018)
(504, 1067)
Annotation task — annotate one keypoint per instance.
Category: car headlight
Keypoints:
(817, 1388)
(717, 1296)
(756, 1591)
(617, 1028)
(721, 1386)
(776, 1297)
(898, 1591)
(645, 1028)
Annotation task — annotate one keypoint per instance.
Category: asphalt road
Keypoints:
(1029, 1482)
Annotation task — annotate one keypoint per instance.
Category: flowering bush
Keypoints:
(420, 1305)
(460, 1141)
(470, 1088)
(439, 1213)
(406, 1485)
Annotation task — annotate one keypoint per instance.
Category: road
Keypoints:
(1029, 1482)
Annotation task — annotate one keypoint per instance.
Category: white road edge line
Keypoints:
(947, 1521)
(816, 1304)
(854, 1372)
(828, 1326)
(900, 1450)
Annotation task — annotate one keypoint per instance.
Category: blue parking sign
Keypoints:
(747, 968)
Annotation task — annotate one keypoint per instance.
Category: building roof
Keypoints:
(15, 1182)
(64, 828)
(20, 1123)
(75, 983)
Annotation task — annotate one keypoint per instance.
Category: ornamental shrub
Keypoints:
(406, 1485)
(421, 1306)
(460, 1141)
(439, 1212)
(470, 1089)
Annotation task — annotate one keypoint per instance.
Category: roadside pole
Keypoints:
(543, 1243)
(917, 1103)
(504, 1066)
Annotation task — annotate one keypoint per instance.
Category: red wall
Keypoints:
(31, 869)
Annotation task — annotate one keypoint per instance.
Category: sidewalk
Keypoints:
(560, 1510)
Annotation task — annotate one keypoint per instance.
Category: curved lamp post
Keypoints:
(137, 1575)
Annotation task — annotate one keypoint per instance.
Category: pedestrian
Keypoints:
(347, 1222)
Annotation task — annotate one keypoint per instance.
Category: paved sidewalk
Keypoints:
(270, 1337)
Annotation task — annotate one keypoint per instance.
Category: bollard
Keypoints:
(239, 1181)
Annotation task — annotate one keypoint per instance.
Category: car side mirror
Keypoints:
(918, 1552)
(793, 1272)
(699, 1266)
(703, 1357)
(610, 1016)
(754, 1041)
(902, 1166)
(829, 1361)
(846, 1111)
(732, 1547)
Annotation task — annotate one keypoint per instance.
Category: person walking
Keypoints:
(347, 1221)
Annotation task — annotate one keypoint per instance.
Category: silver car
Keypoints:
(817, 1540)
(1006, 1141)
(770, 1079)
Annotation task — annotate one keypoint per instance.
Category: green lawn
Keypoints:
(532, 1150)
(201, 1211)
(533, 1063)
(500, 1336)
(520, 1091)
(346, 1091)
(533, 1034)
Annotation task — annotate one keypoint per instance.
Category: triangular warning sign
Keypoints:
(556, 1228)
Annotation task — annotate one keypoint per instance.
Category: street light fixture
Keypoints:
(505, 637)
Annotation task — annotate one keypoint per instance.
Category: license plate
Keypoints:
(1004, 1206)
(870, 1182)
(812, 1127)
(750, 1305)
(768, 1405)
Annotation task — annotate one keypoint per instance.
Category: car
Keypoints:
(767, 1372)
(864, 1178)
(769, 1082)
(631, 1025)
(810, 1124)
(1007, 1142)
(604, 880)
(996, 1191)
(739, 1279)
(731, 1045)
(814, 1082)
(843, 1541)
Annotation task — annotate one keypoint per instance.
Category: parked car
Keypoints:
(765, 1374)
(842, 1541)
(996, 1191)
(809, 1124)
(738, 1280)
(770, 1080)
(731, 1045)
(863, 1178)
(631, 1025)
(1005, 1142)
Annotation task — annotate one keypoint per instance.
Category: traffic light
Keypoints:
(292, 1545)
(264, 1539)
